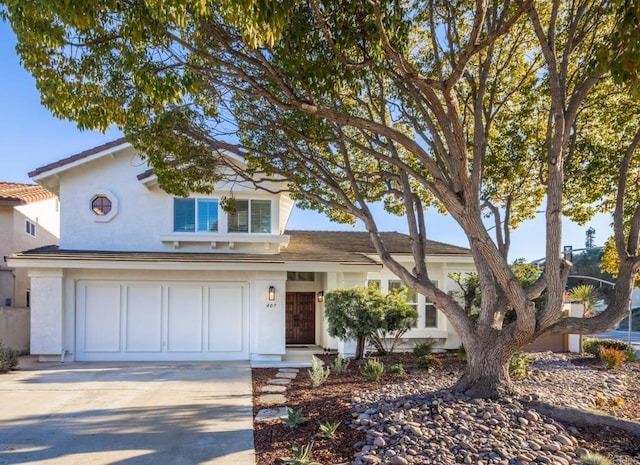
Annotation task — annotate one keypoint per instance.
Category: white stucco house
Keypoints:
(142, 275)
(29, 218)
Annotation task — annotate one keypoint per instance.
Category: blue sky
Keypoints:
(31, 137)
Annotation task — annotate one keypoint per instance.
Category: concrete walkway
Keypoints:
(127, 414)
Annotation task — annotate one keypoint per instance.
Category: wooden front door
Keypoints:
(301, 318)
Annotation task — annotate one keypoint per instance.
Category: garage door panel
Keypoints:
(185, 319)
(144, 319)
(102, 318)
(225, 319)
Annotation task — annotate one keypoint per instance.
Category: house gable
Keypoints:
(111, 201)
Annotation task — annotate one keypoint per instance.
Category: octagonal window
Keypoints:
(101, 205)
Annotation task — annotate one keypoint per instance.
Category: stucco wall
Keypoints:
(14, 283)
(143, 214)
(14, 327)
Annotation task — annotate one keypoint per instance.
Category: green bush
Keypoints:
(424, 348)
(8, 358)
(318, 374)
(593, 345)
(340, 364)
(519, 365)
(429, 362)
(612, 358)
(372, 370)
(397, 368)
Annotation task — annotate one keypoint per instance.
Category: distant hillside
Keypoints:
(635, 321)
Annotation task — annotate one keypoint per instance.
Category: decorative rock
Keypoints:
(288, 370)
(286, 375)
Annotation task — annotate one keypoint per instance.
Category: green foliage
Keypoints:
(300, 456)
(398, 317)
(340, 364)
(351, 314)
(612, 358)
(8, 358)
(592, 458)
(593, 345)
(429, 362)
(328, 429)
(397, 368)
(318, 374)
(294, 418)
(424, 348)
(519, 365)
(586, 294)
(632, 355)
(365, 314)
(372, 369)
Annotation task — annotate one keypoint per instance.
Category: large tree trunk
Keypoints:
(487, 371)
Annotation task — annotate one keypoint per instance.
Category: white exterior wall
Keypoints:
(48, 318)
(144, 218)
(55, 303)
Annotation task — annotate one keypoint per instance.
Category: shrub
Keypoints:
(372, 370)
(340, 364)
(300, 456)
(328, 429)
(318, 374)
(593, 345)
(519, 365)
(8, 358)
(424, 348)
(429, 362)
(294, 418)
(594, 459)
(397, 368)
(631, 355)
(612, 358)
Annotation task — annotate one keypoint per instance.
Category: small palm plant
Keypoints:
(586, 294)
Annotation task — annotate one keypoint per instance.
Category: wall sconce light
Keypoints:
(321, 296)
(272, 293)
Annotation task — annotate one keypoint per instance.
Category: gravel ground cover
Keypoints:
(394, 421)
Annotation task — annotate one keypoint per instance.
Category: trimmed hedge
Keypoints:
(593, 345)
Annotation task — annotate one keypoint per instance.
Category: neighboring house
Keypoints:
(29, 218)
(142, 275)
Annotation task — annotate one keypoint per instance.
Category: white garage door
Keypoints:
(161, 321)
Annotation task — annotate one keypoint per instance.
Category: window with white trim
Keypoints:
(412, 296)
(430, 312)
(30, 228)
(250, 216)
(191, 215)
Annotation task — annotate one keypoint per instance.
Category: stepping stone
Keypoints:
(288, 370)
(271, 413)
(270, 399)
(273, 388)
(286, 375)
(279, 381)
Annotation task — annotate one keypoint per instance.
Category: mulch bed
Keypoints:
(330, 403)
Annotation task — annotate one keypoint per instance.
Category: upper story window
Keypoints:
(101, 205)
(30, 228)
(250, 216)
(190, 215)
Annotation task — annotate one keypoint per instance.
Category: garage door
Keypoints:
(161, 321)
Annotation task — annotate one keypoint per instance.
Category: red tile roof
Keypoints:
(76, 157)
(23, 193)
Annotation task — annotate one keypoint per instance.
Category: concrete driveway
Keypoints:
(127, 414)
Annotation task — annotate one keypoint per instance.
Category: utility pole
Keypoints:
(591, 235)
